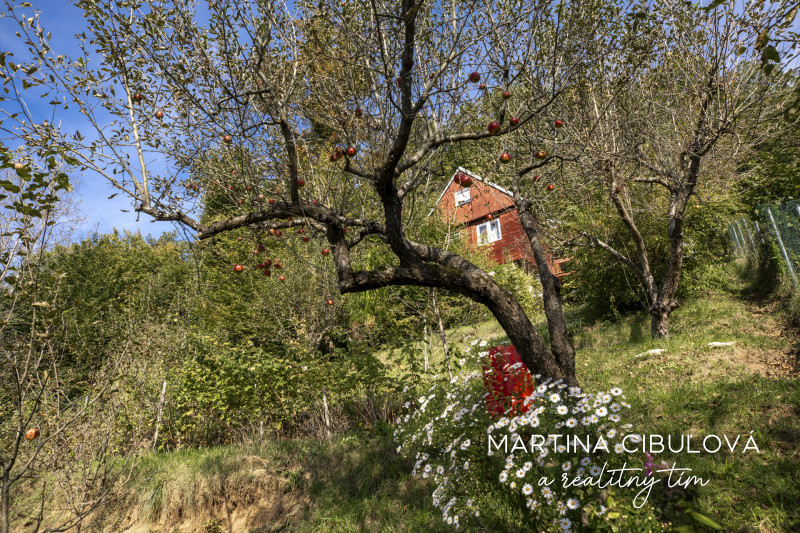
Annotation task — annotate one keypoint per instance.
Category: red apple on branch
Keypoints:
(466, 181)
(550, 187)
(541, 154)
(238, 268)
(138, 97)
(227, 139)
(32, 433)
(506, 94)
(559, 123)
(325, 251)
(301, 183)
(475, 77)
(505, 157)
(159, 114)
(494, 127)
(514, 121)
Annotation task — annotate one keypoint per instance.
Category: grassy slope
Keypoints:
(696, 389)
(357, 484)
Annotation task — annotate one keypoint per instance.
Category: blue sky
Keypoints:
(100, 213)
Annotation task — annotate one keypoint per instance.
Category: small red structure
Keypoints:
(508, 385)
(487, 216)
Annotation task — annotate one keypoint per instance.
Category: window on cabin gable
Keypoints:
(489, 232)
(462, 196)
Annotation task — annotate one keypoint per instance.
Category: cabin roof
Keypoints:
(473, 176)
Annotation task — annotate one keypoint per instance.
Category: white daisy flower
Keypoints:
(562, 409)
(572, 503)
(503, 477)
(616, 391)
(527, 489)
(594, 471)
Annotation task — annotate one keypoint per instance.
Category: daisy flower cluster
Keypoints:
(450, 433)
(566, 436)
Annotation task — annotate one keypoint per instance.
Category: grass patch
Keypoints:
(692, 388)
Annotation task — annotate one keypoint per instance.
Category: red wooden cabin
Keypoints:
(486, 214)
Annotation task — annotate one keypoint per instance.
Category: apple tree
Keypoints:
(326, 116)
(651, 131)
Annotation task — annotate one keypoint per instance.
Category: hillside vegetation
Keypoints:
(356, 481)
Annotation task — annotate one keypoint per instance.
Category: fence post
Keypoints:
(731, 235)
(745, 246)
(783, 249)
(750, 235)
(735, 240)
(738, 238)
(758, 229)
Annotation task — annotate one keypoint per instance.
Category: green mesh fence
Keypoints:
(775, 224)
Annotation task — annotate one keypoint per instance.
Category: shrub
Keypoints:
(446, 428)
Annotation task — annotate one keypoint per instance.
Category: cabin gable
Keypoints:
(488, 218)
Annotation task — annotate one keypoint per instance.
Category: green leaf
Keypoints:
(714, 4)
(770, 54)
(762, 40)
(705, 520)
(10, 187)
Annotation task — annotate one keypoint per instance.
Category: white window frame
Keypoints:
(459, 194)
(489, 234)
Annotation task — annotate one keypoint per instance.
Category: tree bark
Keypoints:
(560, 344)
(5, 489)
(659, 322)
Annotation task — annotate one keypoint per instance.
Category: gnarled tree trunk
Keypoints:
(560, 344)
